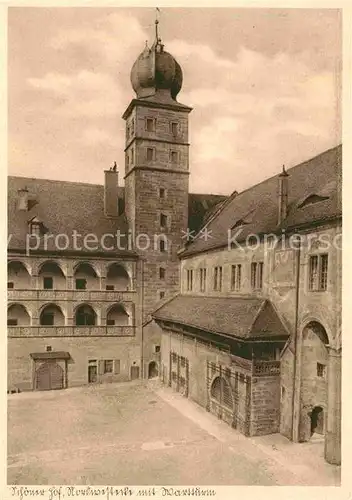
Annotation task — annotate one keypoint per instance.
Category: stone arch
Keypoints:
(86, 276)
(19, 314)
(116, 315)
(117, 276)
(52, 270)
(221, 392)
(85, 315)
(51, 314)
(314, 375)
(18, 274)
(52, 262)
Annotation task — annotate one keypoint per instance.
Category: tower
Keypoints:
(157, 170)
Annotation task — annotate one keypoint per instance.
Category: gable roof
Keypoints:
(64, 207)
(245, 318)
(257, 207)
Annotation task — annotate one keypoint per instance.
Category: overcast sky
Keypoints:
(264, 85)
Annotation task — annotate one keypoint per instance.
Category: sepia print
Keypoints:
(174, 249)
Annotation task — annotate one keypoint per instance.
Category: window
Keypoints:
(128, 131)
(162, 245)
(81, 284)
(48, 283)
(108, 366)
(48, 348)
(132, 127)
(321, 370)
(173, 156)
(163, 221)
(150, 125)
(203, 279)
(110, 322)
(173, 357)
(161, 193)
(174, 128)
(236, 271)
(10, 284)
(132, 156)
(189, 280)
(162, 272)
(12, 322)
(47, 319)
(157, 348)
(318, 272)
(218, 278)
(257, 275)
(182, 361)
(161, 295)
(150, 154)
(35, 228)
(110, 287)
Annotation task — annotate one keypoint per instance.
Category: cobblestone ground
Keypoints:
(142, 433)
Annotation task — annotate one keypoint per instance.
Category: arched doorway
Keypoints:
(221, 392)
(314, 380)
(49, 376)
(85, 316)
(153, 371)
(317, 420)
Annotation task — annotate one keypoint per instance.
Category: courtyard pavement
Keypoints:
(141, 433)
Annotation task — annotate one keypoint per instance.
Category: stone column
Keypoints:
(333, 418)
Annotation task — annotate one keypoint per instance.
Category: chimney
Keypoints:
(111, 196)
(283, 195)
(22, 199)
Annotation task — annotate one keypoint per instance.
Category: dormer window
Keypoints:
(312, 199)
(35, 227)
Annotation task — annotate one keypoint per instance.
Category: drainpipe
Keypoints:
(142, 321)
(295, 368)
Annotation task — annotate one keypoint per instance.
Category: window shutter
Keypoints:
(116, 366)
(101, 367)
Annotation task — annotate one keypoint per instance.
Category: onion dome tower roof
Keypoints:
(156, 69)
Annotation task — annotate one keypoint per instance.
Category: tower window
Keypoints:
(161, 295)
(162, 273)
(150, 125)
(173, 156)
(132, 156)
(174, 128)
(161, 193)
(150, 154)
(10, 284)
(132, 127)
(163, 221)
(162, 245)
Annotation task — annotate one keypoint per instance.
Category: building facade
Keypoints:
(258, 318)
(87, 264)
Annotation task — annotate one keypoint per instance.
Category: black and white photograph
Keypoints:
(174, 251)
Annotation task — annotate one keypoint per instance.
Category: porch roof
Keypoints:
(244, 318)
(50, 355)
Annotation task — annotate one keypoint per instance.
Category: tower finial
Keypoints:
(157, 12)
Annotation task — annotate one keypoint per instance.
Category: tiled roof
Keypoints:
(238, 317)
(63, 207)
(318, 179)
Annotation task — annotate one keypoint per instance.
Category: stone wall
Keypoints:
(20, 363)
